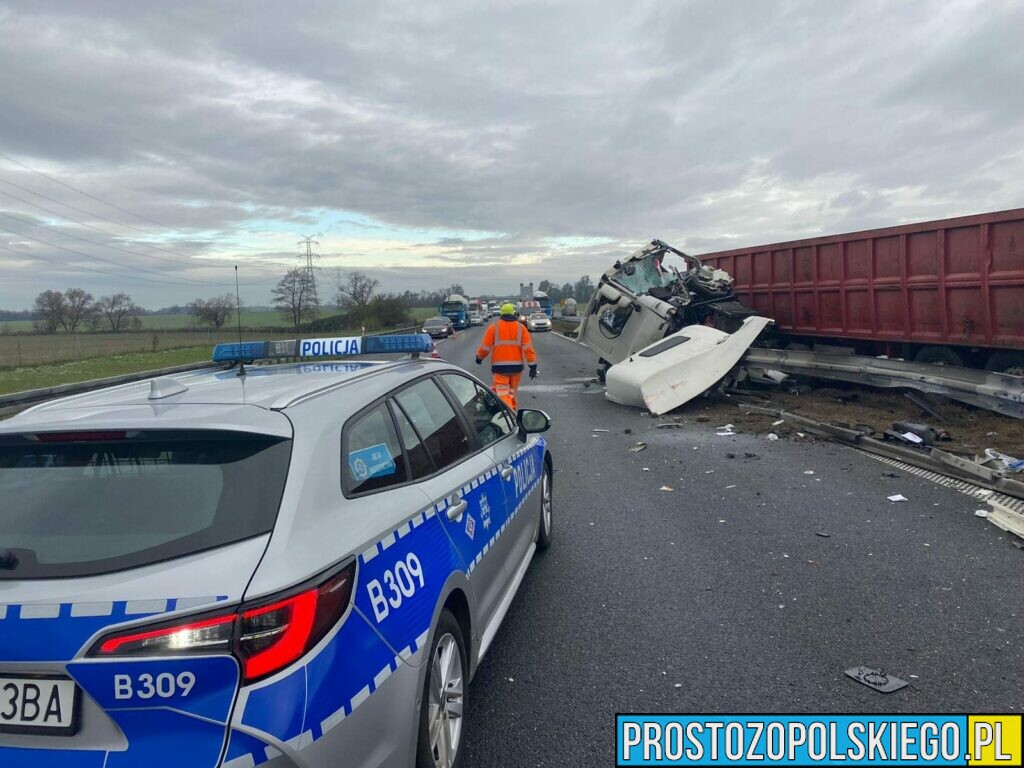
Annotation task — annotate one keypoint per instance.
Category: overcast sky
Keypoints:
(484, 143)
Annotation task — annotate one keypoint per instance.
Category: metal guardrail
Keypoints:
(997, 392)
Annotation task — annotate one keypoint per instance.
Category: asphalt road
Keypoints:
(720, 596)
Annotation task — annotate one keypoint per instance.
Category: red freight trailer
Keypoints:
(949, 291)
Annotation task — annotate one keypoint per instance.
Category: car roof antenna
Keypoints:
(238, 314)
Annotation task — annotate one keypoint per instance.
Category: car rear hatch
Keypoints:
(124, 556)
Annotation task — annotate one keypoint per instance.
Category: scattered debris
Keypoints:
(823, 534)
(808, 471)
(772, 436)
(780, 421)
(595, 429)
(895, 474)
(703, 419)
(638, 447)
(627, 431)
(665, 488)
(982, 513)
(924, 432)
(646, 469)
(897, 497)
(1002, 461)
(876, 679)
(727, 431)
(670, 425)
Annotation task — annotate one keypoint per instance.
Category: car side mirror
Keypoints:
(531, 421)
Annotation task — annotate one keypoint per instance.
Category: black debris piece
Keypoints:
(876, 678)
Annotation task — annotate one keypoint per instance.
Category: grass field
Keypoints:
(31, 360)
(17, 351)
(34, 377)
(250, 319)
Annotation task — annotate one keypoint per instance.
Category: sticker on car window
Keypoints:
(375, 461)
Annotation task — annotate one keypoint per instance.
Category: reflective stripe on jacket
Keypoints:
(508, 343)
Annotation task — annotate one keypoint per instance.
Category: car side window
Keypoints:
(484, 411)
(419, 460)
(371, 454)
(435, 422)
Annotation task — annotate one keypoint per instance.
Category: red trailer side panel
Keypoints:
(955, 281)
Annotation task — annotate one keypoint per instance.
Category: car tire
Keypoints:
(447, 662)
(545, 529)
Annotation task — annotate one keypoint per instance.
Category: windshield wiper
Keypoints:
(8, 559)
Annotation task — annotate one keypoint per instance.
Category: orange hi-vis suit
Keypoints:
(508, 343)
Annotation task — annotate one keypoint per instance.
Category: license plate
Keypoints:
(38, 705)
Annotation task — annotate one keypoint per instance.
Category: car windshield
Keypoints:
(436, 321)
(647, 273)
(453, 306)
(78, 504)
(539, 316)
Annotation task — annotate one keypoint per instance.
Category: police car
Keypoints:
(292, 564)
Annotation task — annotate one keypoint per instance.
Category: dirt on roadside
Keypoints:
(972, 430)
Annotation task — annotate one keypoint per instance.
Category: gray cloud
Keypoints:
(531, 125)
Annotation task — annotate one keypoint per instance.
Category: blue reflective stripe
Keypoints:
(363, 653)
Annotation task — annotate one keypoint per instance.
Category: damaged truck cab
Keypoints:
(645, 298)
(664, 334)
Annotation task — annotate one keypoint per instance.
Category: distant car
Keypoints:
(476, 318)
(538, 321)
(283, 565)
(526, 308)
(438, 327)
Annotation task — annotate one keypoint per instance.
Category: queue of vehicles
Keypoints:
(258, 564)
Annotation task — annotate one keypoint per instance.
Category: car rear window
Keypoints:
(78, 504)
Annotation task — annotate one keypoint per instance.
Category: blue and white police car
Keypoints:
(293, 564)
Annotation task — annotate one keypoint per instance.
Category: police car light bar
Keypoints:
(341, 346)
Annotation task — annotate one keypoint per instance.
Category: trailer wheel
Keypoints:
(939, 356)
(1006, 361)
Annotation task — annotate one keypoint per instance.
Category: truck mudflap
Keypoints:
(676, 369)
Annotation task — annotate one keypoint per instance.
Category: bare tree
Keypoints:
(78, 308)
(118, 313)
(295, 296)
(215, 311)
(356, 292)
(49, 311)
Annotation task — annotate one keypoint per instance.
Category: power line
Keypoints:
(112, 205)
(163, 249)
(90, 196)
(87, 268)
(190, 261)
(185, 281)
(100, 245)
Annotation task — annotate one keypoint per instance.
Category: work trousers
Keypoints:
(505, 386)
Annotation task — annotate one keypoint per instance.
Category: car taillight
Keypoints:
(266, 637)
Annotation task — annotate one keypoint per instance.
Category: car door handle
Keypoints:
(506, 473)
(455, 511)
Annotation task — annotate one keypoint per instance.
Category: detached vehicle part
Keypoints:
(676, 369)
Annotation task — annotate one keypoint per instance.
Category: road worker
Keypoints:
(508, 343)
